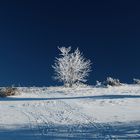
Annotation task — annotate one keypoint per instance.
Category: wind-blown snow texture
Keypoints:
(78, 113)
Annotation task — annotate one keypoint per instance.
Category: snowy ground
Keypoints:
(82, 113)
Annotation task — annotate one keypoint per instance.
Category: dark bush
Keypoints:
(8, 91)
(112, 82)
(136, 81)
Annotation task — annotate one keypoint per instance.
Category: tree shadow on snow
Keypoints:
(67, 98)
(73, 132)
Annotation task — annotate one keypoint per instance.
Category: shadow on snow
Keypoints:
(74, 132)
(67, 98)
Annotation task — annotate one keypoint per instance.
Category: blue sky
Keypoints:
(107, 32)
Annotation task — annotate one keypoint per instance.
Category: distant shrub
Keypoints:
(8, 91)
(111, 82)
(136, 81)
(99, 84)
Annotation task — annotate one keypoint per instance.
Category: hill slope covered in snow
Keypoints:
(77, 113)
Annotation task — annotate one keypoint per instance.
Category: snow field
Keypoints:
(71, 113)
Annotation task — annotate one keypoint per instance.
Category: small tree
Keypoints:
(71, 68)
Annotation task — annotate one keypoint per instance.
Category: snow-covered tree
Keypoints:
(71, 68)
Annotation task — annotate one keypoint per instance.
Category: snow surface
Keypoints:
(77, 113)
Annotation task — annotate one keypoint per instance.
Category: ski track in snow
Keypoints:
(64, 119)
(41, 119)
(88, 120)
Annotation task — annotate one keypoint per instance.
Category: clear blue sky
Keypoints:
(107, 32)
